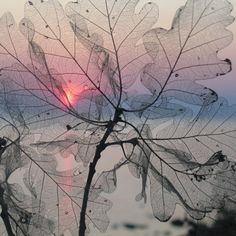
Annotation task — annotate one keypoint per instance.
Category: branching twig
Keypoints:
(92, 170)
(4, 213)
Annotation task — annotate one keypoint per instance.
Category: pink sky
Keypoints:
(225, 86)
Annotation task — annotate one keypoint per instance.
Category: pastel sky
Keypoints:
(225, 86)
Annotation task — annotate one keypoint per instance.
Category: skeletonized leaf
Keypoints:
(192, 161)
(111, 31)
(210, 130)
(60, 194)
(189, 51)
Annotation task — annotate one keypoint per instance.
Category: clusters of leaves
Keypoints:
(135, 86)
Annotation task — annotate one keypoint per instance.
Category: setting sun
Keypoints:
(69, 96)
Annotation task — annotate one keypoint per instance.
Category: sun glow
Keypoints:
(69, 96)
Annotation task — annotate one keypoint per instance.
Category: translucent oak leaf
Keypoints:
(199, 193)
(60, 195)
(190, 162)
(209, 130)
(139, 159)
(81, 47)
(111, 31)
(189, 51)
(100, 47)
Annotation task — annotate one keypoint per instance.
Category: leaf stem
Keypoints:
(92, 169)
(4, 213)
